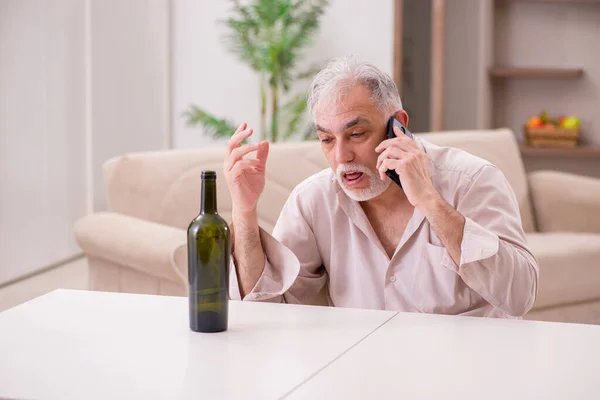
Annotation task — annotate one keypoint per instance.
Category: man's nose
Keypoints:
(343, 152)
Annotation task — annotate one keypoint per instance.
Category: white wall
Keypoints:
(42, 168)
(81, 81)
(129, 81)
(204, 73)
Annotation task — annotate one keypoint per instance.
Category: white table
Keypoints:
(92, 345)
(418, 356)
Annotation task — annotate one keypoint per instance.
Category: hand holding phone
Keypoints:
(390, 134)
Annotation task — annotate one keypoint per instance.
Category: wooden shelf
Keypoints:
(579, 151)
(557, 1)
(530, 72)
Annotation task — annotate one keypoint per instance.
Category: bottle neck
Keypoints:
(208, 202)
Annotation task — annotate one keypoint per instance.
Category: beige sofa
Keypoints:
(153, 196)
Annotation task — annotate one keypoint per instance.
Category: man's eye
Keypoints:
(326, 140)
(357, 134)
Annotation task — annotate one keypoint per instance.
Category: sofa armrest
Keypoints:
(565, 202)
(144, 246)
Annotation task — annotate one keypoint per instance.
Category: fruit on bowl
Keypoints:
(570, 122)
(545, 131)
(544, 121)
(535, 122)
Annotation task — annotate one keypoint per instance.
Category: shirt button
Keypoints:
(392, 278)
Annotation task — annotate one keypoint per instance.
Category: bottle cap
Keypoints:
(209, 175)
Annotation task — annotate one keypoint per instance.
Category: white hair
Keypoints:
(344, 73)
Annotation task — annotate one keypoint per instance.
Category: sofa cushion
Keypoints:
(499, 147)
(164, 186)
(569, 267)
(572, 210)
(287, 166)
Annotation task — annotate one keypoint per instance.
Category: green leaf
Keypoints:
(269, 36)
(310, 133)
(243, 38)
(306, 23)
(216, 127)
(309, 73)
(295, 110)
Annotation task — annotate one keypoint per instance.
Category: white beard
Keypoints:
(375, 188)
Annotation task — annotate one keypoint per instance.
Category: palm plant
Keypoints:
(269, 36)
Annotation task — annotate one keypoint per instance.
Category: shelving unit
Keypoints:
(502, 76)
(579, 151)
(530, 72)
(558, 1)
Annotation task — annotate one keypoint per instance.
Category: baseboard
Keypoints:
(42, 270)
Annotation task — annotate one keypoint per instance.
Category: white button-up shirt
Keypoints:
(324, 243)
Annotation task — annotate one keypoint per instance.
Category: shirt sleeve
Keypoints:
(293, 271)
(495, 260)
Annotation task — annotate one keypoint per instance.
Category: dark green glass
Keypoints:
(209, 251)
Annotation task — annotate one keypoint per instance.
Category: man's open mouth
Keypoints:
(352, 176)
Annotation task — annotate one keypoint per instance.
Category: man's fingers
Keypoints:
(233, 137)
(241, 128)
(405, 144)
(263, 152)
(386, 164)
(382, 169)
(237, 138)
(403, 138)
(238, 153)
(390, 152)
(245, 164)
(401, 141)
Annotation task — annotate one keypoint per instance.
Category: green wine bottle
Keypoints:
(209, 251)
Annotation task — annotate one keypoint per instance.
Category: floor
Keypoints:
(73, 275)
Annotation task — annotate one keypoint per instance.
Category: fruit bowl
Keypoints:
(544, 131)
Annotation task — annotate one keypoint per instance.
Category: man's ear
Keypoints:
(402, 116)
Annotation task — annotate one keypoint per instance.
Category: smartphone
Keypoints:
(391, 134)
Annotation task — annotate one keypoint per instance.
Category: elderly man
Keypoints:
(448, 241)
